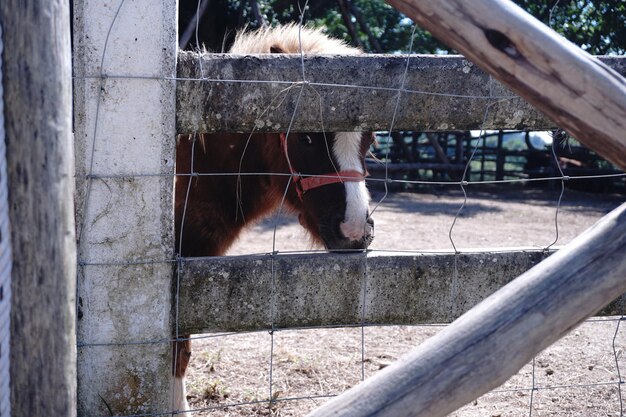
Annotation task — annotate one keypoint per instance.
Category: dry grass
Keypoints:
(575, 377)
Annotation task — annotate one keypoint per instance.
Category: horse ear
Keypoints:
(275, 49)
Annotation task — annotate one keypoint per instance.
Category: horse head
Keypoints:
(327, 170)
(328, 186)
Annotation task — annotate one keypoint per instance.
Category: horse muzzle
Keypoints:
(352, 237)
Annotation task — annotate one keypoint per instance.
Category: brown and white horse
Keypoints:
(323, 179)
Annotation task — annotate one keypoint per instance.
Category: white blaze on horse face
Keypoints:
(347, 152)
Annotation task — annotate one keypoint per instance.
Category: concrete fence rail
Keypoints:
(236, 293)
(232, 93)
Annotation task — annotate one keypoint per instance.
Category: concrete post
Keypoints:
(124, 126)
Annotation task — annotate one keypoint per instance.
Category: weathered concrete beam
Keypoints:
(235, 293)
(442, 93)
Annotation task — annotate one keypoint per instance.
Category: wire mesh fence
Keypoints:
(302, 367)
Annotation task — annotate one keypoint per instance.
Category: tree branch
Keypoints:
(257, 13)
(345, 14)
(364, 26)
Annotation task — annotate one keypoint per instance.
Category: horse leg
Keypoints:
(182, 354)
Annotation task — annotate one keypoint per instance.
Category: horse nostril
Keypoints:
(359, 230)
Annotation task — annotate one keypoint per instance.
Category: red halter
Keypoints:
(304, 184)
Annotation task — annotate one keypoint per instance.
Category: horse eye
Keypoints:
(306, 140)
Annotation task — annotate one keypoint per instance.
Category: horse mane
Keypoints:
(286, 39)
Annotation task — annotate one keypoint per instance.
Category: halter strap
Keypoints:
(304, 184)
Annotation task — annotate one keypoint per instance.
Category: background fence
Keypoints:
(124, 178)
(500, 155)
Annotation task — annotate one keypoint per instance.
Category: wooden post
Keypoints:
(5, 265)
(441, 154)
(576, 90)
(38, 117)
(500, 157)
(491, 342)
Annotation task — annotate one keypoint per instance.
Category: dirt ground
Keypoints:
(575, 377)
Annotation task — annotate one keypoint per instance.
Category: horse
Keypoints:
(323, 179)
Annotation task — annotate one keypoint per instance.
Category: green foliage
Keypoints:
(391, 29)
(598, 26)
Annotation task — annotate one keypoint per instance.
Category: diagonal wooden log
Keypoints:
(577, 91)
(491, 342)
